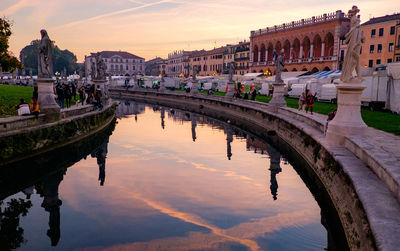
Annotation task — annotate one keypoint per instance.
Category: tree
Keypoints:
(7, 61)
(61, 58)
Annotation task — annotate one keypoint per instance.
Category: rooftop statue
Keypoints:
(279, 62)
(354, 38)
(45, 56)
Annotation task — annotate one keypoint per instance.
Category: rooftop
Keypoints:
(382, 19)
(122, 54)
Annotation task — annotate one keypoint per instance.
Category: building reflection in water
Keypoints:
(126, 108)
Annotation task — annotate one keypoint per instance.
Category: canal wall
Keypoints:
(367, 206)
(23, 137)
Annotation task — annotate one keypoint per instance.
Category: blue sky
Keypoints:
(150, 28)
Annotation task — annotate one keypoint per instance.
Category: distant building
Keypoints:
(312, 44)
(242, 58)
(397, 44)
(155, 66)
(208, 62)
(178, 63)
(118, 63)
(380, 40)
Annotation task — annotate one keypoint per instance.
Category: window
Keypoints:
(126, 61)
(370, 63)
(373, 31)
(379, 50)
(378, 61)
(380, 32)
(112, 67)
(371, 48)
(392, 30)
(120, 68)
(389, 60)
(127, 68)
(133, 67)
(391, 45)
(341, 55)
(398, 59)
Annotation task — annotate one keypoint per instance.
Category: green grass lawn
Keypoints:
(10, 96)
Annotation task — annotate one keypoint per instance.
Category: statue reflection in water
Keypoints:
(275, 160)
(48, 189)
(101, 154)
(193, 119)
(162, 117)
(229, 140)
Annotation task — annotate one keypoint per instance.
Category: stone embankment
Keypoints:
(361, 176)
(23, 137)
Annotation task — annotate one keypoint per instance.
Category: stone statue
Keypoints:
(354, 38)
(279, 62)
(98, 68)
(45, 56)
(194, 72)
(231, 71)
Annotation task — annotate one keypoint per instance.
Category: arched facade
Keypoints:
(310, 46)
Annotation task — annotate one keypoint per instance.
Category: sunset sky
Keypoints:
(150, 28)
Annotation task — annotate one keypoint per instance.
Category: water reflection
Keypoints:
(44, 174)
(166, 192)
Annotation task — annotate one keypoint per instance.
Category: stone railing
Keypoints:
(296, 61)
(19, 122)
(300, 23)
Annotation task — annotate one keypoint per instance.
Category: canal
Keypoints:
(165, 179)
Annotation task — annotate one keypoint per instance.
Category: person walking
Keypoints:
(253, 94)
(35, 95)
(309, 102)
(302, 100)
(60, 95)
(68, 95)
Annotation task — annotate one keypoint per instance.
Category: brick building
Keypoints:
(312, 44)
(242, 58)
(397, 44)
(380, 39)
(118, 63)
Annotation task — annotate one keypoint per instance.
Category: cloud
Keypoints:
(115, 13)
(17, 6)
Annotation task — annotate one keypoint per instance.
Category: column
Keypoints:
(301, 51)
(252, 57)
(266, 55)
(322, 49)
(259, 56)
(312, 51)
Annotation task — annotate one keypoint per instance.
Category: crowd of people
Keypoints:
(65, 94)
(307, 101)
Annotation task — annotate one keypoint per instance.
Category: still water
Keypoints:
(164, 179)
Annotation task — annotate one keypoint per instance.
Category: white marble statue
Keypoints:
(354, 38)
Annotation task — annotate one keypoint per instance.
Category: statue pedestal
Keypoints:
(231, 91)
(194, 90)
(278, 98)
(46, 98)
(162, 86)
(348, 119)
